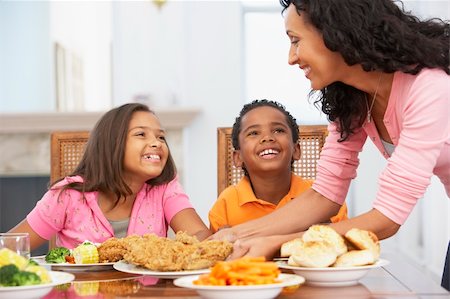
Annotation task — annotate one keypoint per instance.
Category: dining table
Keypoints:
(398, 279)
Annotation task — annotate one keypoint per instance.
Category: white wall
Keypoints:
(25, 57)
(83, 29)
(214, 81)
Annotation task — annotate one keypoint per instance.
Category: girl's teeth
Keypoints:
(152, 157)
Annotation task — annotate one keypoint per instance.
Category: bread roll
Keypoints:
(363, 239)
(326, 233)
(289, 247)
(355, 258)
(315, 254)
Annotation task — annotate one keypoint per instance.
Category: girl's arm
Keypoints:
(189, 221)
(24, 227)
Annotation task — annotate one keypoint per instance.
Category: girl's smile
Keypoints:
(146, 151)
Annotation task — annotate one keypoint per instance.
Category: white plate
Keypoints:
(261, 291)
(36, 291)
(133, 269)
(79, 267)
(72, 267)
(331, 276)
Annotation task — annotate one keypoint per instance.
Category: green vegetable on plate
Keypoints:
(57, 255)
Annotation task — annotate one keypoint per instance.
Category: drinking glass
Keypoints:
(17, 242)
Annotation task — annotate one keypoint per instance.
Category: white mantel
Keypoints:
(45, 122)
(25, 137)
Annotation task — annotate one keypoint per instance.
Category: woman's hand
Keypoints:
(224, 234)
(260, 246)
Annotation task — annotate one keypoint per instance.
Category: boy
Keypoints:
(265, 138)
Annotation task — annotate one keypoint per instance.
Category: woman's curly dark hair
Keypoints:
(378, 34)
(292, 122)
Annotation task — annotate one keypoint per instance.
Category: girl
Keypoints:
(125, 184)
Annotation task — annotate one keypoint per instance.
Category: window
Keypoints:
(267, 72)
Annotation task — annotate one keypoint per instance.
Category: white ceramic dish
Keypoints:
(332, 277)
(262, 291)
(36, 291)
(79, 267)
(73, 267)
(133, 269)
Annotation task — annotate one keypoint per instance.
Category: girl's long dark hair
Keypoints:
(378, 34)
(101, 166)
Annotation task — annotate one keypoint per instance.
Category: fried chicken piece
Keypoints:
(113, 249)
(183, 253)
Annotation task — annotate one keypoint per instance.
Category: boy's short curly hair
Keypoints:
(292, 122)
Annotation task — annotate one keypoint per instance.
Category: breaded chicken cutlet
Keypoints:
(113, 249)
(183, 253)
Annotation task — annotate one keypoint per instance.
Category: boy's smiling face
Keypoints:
(266, 145)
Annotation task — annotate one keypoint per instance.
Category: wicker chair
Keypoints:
(312, 138)
(66, 150)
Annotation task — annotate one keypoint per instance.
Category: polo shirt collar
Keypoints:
(246, 194)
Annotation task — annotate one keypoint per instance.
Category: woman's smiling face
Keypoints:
(320, 65)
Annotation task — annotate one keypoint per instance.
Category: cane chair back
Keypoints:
(311, 139)
(66, 150)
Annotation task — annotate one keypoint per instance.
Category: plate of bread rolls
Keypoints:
(325, 258)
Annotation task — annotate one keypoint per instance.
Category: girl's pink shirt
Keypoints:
(418, 121)
(74, 218)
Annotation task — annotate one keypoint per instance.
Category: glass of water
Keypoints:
(17, 242)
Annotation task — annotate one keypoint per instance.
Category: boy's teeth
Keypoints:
(268, 151)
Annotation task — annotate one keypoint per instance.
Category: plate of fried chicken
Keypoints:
(123, 266)
(163, 257)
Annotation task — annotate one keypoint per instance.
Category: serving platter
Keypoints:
(123, 266)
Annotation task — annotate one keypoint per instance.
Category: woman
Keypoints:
(378, 73)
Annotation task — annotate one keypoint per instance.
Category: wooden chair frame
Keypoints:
(312, 138)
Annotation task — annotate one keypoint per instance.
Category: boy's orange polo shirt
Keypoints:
(238, 204)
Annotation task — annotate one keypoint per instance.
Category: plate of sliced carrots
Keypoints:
(243, 278)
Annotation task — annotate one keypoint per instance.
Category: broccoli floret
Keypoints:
(6, 275)
(57, 255)
(24, 278)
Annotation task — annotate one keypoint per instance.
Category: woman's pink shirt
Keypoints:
(418, 121)
(74, 218)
